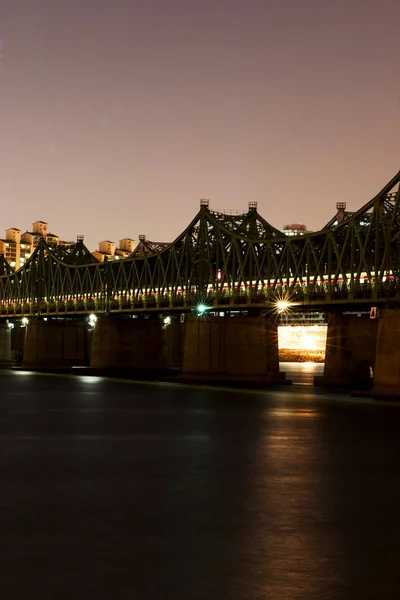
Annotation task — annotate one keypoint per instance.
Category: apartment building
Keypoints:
(10, 246)
(108, 250)
(17, 247)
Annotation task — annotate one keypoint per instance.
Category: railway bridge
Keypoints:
(209, 302)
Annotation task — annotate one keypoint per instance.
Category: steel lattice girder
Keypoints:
(220, 257)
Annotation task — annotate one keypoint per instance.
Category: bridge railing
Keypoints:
(387, 291)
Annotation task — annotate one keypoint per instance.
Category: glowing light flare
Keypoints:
(282, 306)
(92, 320)
(202, 308)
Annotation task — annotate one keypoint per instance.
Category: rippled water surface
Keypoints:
(114, 489)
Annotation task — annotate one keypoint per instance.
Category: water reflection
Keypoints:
(302, 373)
(282, 547)
(172, 492)
(308, 413)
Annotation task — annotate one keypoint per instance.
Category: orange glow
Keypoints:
(300, 337)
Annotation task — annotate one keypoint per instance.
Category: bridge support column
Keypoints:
(5, 345)
(350, 352)
(387, 364)
(174, 340)
(56, 344)
(231, 349)
(121, 344)
(18, 333)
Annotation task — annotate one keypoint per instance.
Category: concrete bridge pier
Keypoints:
(231, 349)
(125, 344)
(174, 341)
(5, 344)
(18, 333)
(56, 344)
(350, 352)
(387, 366)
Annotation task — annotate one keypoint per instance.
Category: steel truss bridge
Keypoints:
(226, 261)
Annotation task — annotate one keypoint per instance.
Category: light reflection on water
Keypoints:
(295, 565)
(289, 413)
(302, 373)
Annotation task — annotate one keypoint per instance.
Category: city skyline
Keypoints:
(116, 118)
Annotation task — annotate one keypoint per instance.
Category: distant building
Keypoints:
(52, 240)
(295, 229)
(10, 246)
(25, 252)
(40, 228)
(125, 248)
(17, 247)
(32, 238)
(108, 251)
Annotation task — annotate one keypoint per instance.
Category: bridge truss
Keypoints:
(223, 260)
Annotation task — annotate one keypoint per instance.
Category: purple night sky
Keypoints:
(117, 116)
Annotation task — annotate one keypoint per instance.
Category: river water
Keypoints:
(113, 489)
